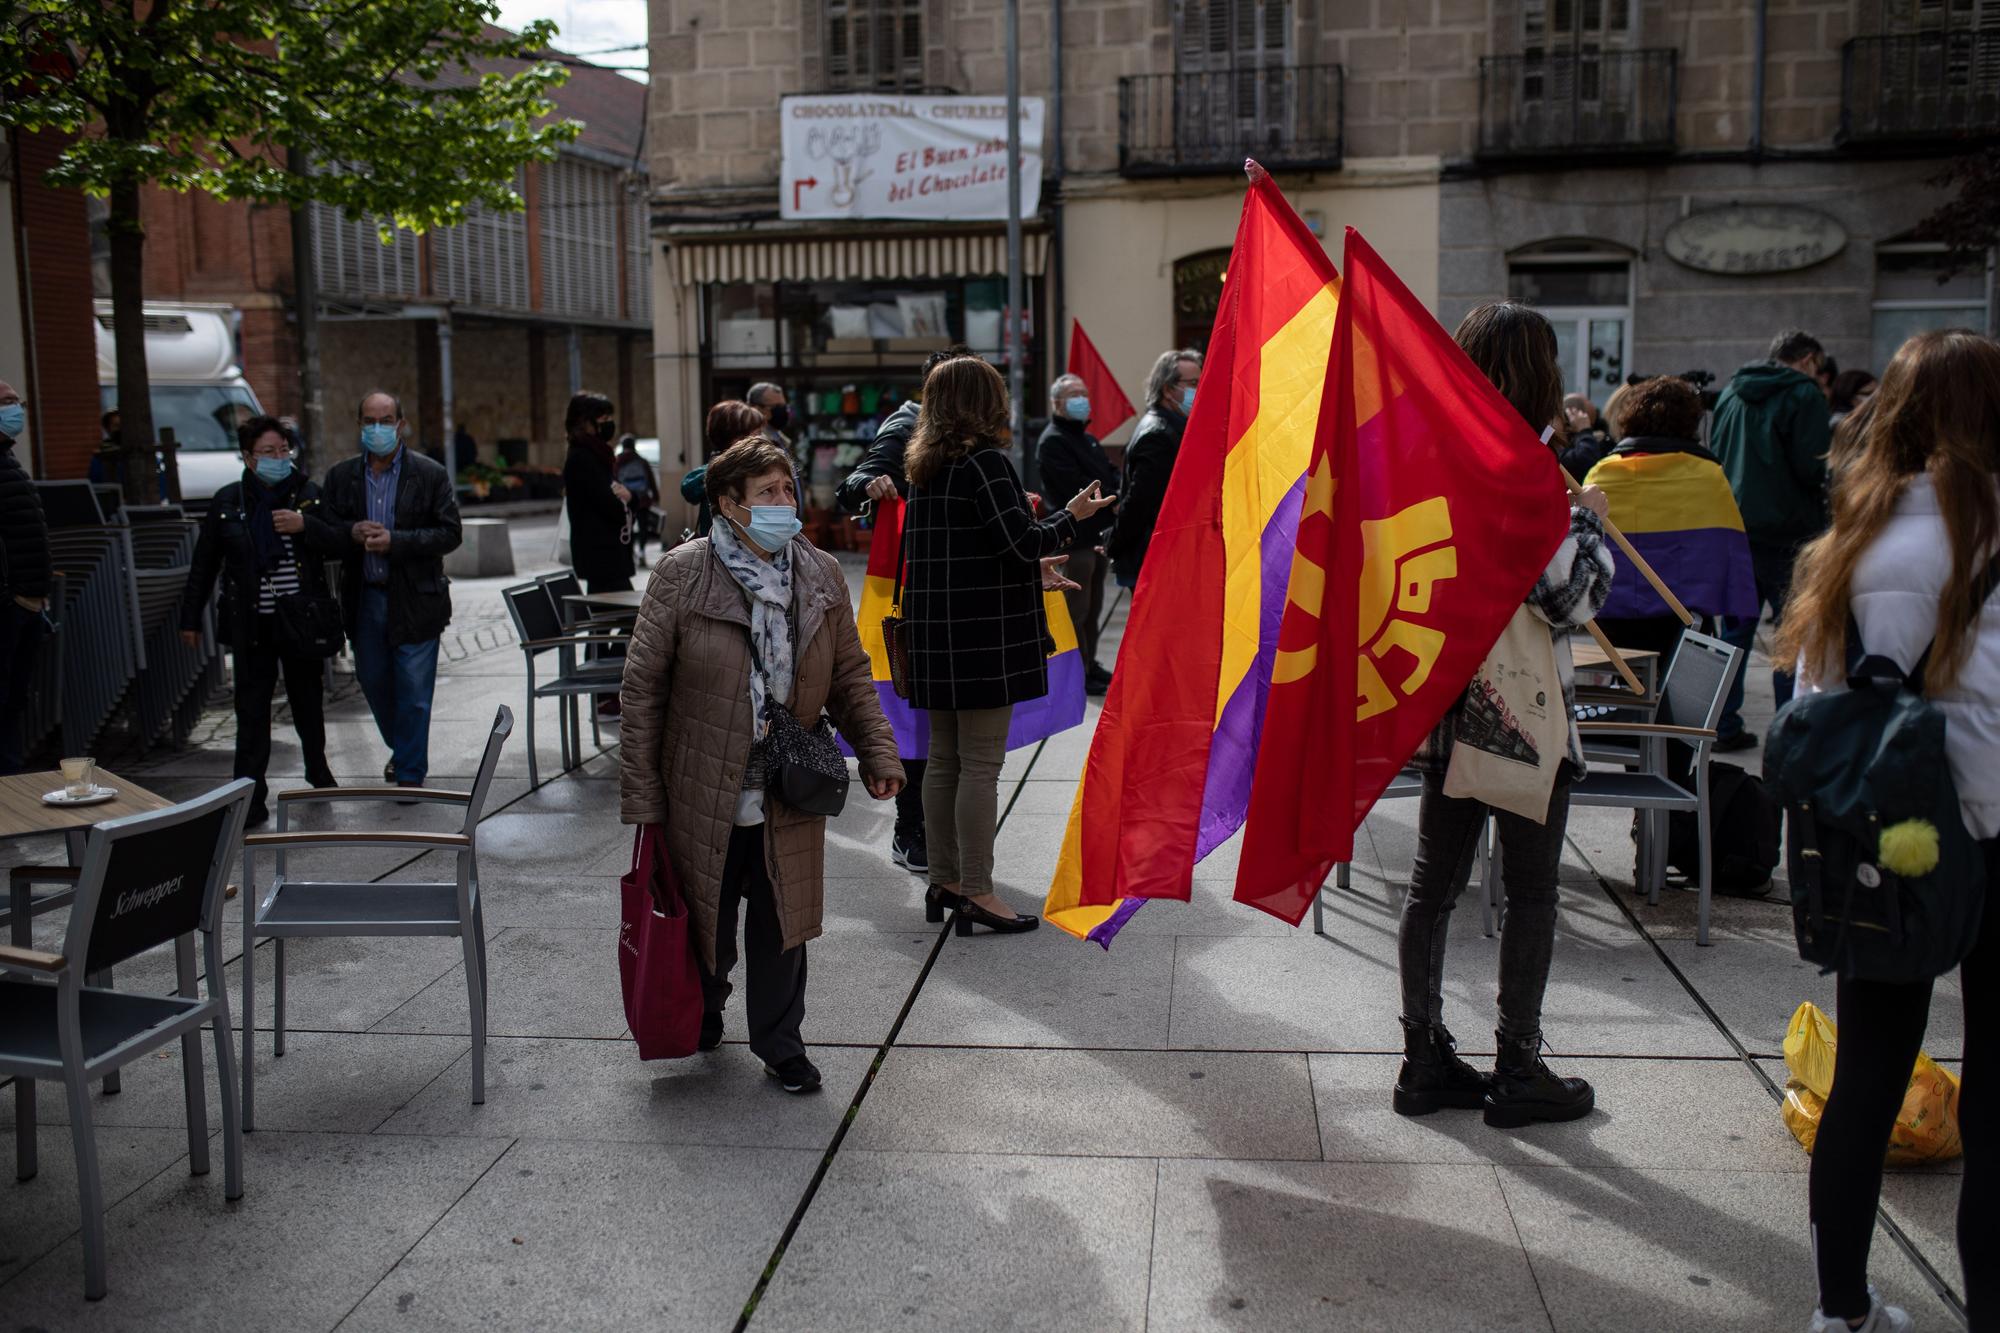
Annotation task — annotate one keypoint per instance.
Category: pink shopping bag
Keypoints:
(656, 959)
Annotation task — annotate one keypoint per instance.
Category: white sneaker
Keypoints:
(1881, 1319)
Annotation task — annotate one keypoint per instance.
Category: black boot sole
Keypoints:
(1410, 1102)
(1519, 1115)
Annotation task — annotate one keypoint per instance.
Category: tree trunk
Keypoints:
(139, 469)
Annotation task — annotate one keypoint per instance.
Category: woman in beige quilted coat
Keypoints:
(752, 611)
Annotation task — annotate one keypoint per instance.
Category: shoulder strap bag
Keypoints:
(804, 768)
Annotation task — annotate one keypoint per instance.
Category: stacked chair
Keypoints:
(537, 610)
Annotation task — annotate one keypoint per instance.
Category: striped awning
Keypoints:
(852, 258)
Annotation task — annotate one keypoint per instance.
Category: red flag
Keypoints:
(1109, 407)
(1431, 508)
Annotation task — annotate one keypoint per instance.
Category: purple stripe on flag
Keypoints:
(1060, 709)
(1708, 569)
(1232, 753)
(1101, 935)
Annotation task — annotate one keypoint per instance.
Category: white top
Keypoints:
(1895, 595)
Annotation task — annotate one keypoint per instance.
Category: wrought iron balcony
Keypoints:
(1926, 85)
(1288, 118)
(1577, 104)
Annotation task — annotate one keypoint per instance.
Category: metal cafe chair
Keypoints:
(145, 880)
(540, 629)
(1686, 709)
(289, 908)
(1407, 783)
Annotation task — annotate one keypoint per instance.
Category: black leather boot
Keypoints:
(1433, 1077)
(1525, 1090)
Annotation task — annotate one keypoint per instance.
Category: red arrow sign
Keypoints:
(806, 184)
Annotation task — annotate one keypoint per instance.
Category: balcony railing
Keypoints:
(1926, 85)
(1288, 118)
(1577, 104)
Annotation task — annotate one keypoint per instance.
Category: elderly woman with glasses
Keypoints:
(266, 539)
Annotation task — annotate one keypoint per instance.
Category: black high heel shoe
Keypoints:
(938, 902)
(970, 913)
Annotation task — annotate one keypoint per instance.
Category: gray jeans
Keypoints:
(962, 794)
(1447, 835)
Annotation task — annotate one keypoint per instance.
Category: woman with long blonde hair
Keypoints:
(1916, 523)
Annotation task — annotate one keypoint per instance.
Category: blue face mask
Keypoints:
(271, 471)
(13, 421)
(378, 439)
(1187, 401)
(772, 527)
(1077, 408)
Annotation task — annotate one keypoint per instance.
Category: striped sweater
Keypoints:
(1570, 592)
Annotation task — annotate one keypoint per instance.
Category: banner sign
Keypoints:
(880, 155)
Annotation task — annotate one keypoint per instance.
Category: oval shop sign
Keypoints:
(1769, 238)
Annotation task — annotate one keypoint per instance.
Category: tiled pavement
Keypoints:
(1190, 1131)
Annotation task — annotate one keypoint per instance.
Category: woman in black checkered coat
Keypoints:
(978, 563)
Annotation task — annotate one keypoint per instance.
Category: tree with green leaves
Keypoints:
(393, 102)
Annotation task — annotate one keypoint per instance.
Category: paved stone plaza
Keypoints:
(1191, 1131)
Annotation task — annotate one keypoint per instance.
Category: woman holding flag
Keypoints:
(1515, 348)
(977, 565)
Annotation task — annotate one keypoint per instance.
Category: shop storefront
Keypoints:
(844, 323)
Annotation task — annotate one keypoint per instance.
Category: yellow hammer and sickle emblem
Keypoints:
(1403, 555)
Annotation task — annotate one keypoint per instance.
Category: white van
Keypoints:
(198, 389)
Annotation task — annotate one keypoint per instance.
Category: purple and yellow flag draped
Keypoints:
(1058, 710)
(1675, 506)
(1170, 767)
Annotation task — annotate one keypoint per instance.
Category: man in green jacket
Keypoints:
(1771, 433)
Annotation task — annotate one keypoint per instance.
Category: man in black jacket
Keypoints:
(1149, 459)
(24, 578)
(880, 476)
(1070, 459)
(399, 511)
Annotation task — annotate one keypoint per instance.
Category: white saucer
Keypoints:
(61, 796)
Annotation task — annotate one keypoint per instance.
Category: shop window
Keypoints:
(744, 328)
(874, 44)
(1586, 292)
(1912, 294)
(1197, 294)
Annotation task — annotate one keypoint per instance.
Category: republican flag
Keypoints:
(1431, 509)
(1058, 710)
(1109, 407)
(1170, 766)
(1675, 506)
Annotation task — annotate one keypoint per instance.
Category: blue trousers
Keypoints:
(398, 680)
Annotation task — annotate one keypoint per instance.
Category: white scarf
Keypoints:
(768, 585)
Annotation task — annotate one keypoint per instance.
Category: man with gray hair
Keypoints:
(769, 399)
(1071, 459)
(1149, 459)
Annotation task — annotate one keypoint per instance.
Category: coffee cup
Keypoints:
(79, 777)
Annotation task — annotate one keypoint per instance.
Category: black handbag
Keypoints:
(308, 625)
(804, 767)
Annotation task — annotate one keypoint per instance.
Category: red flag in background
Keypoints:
(1109, 407)
(1431, 509)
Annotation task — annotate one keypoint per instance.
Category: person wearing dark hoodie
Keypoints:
(1771, 433)
(1149, 460)
(1070, 458)
(879, 476)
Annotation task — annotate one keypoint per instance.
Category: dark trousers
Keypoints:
(1447, 836)
(21, 635)
(1881, 1029)
(258, 667)
(1773, 568)
(1086, 603)
(910, 802)
(776, 980)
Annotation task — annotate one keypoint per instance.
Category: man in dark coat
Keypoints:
(399, 511)
(1070, 459)
(879, 476)
(1149, 459)
(24, 576)
(1771, 432)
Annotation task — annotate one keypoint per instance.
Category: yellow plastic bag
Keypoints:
(1926, 1128)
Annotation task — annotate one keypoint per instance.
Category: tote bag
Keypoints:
(656, 959)
(1512, 734)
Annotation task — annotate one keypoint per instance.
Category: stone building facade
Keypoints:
(1541, 148)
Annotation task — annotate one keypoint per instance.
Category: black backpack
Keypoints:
(1848, 767)
(1745, 825)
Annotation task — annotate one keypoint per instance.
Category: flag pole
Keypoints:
(1638, 562)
